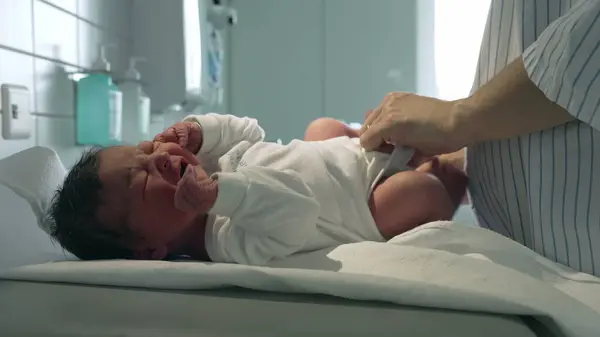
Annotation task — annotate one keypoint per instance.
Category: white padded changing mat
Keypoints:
(42, 309)
(438, 265)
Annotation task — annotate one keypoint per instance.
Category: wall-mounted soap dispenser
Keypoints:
(136, 106)
(99, 106)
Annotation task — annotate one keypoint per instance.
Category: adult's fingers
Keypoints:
(375, 114)
(386, 106)
(385, 148)
(370, 118)
(376, 134)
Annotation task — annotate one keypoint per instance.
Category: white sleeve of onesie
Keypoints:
(271, 214)
(220, 133)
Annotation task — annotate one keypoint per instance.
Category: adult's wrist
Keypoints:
(509, 105)
(462, 123)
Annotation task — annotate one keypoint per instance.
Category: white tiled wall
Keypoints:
(64, 34)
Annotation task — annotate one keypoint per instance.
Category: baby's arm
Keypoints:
(220, 133)
(271, 214)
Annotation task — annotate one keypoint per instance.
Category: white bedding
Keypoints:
(441, 265)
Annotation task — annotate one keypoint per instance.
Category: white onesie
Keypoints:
(276, 200)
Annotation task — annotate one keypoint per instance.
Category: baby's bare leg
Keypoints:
(454, 179)
(327, 128)
(407, 200)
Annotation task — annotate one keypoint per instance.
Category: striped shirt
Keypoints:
(543, 189)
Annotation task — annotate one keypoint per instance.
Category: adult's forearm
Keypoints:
(509, 105)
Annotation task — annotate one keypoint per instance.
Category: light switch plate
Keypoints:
(16, 113)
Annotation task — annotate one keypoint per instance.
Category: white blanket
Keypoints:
(441, 265)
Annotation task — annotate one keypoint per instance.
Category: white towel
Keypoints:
(34, 174)
(440, 265)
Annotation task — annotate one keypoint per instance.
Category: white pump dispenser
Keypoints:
(136, 105)
(132, 73)
(101, 63)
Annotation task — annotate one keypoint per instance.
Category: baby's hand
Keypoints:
(196, 191)
(187, 134)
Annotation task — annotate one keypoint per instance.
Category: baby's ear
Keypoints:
(150, 253)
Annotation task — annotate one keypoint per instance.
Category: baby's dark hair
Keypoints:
(73, 214)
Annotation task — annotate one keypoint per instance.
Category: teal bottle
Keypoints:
(99, 106)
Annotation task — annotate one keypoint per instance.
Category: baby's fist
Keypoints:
(187, 134)
(196, 191)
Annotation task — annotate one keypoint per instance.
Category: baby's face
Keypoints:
(139, 186)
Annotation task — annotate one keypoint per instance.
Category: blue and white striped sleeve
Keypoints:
(564, 62)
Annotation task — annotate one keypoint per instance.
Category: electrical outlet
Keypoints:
(16, 113)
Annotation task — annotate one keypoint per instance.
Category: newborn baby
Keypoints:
(210, 188)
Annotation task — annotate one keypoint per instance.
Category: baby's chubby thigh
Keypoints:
(378, 208)
(407, 200)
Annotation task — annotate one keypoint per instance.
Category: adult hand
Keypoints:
(424, 123)
(187, 134)
(417, 159)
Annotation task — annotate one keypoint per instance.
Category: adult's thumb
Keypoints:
(374, 136)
